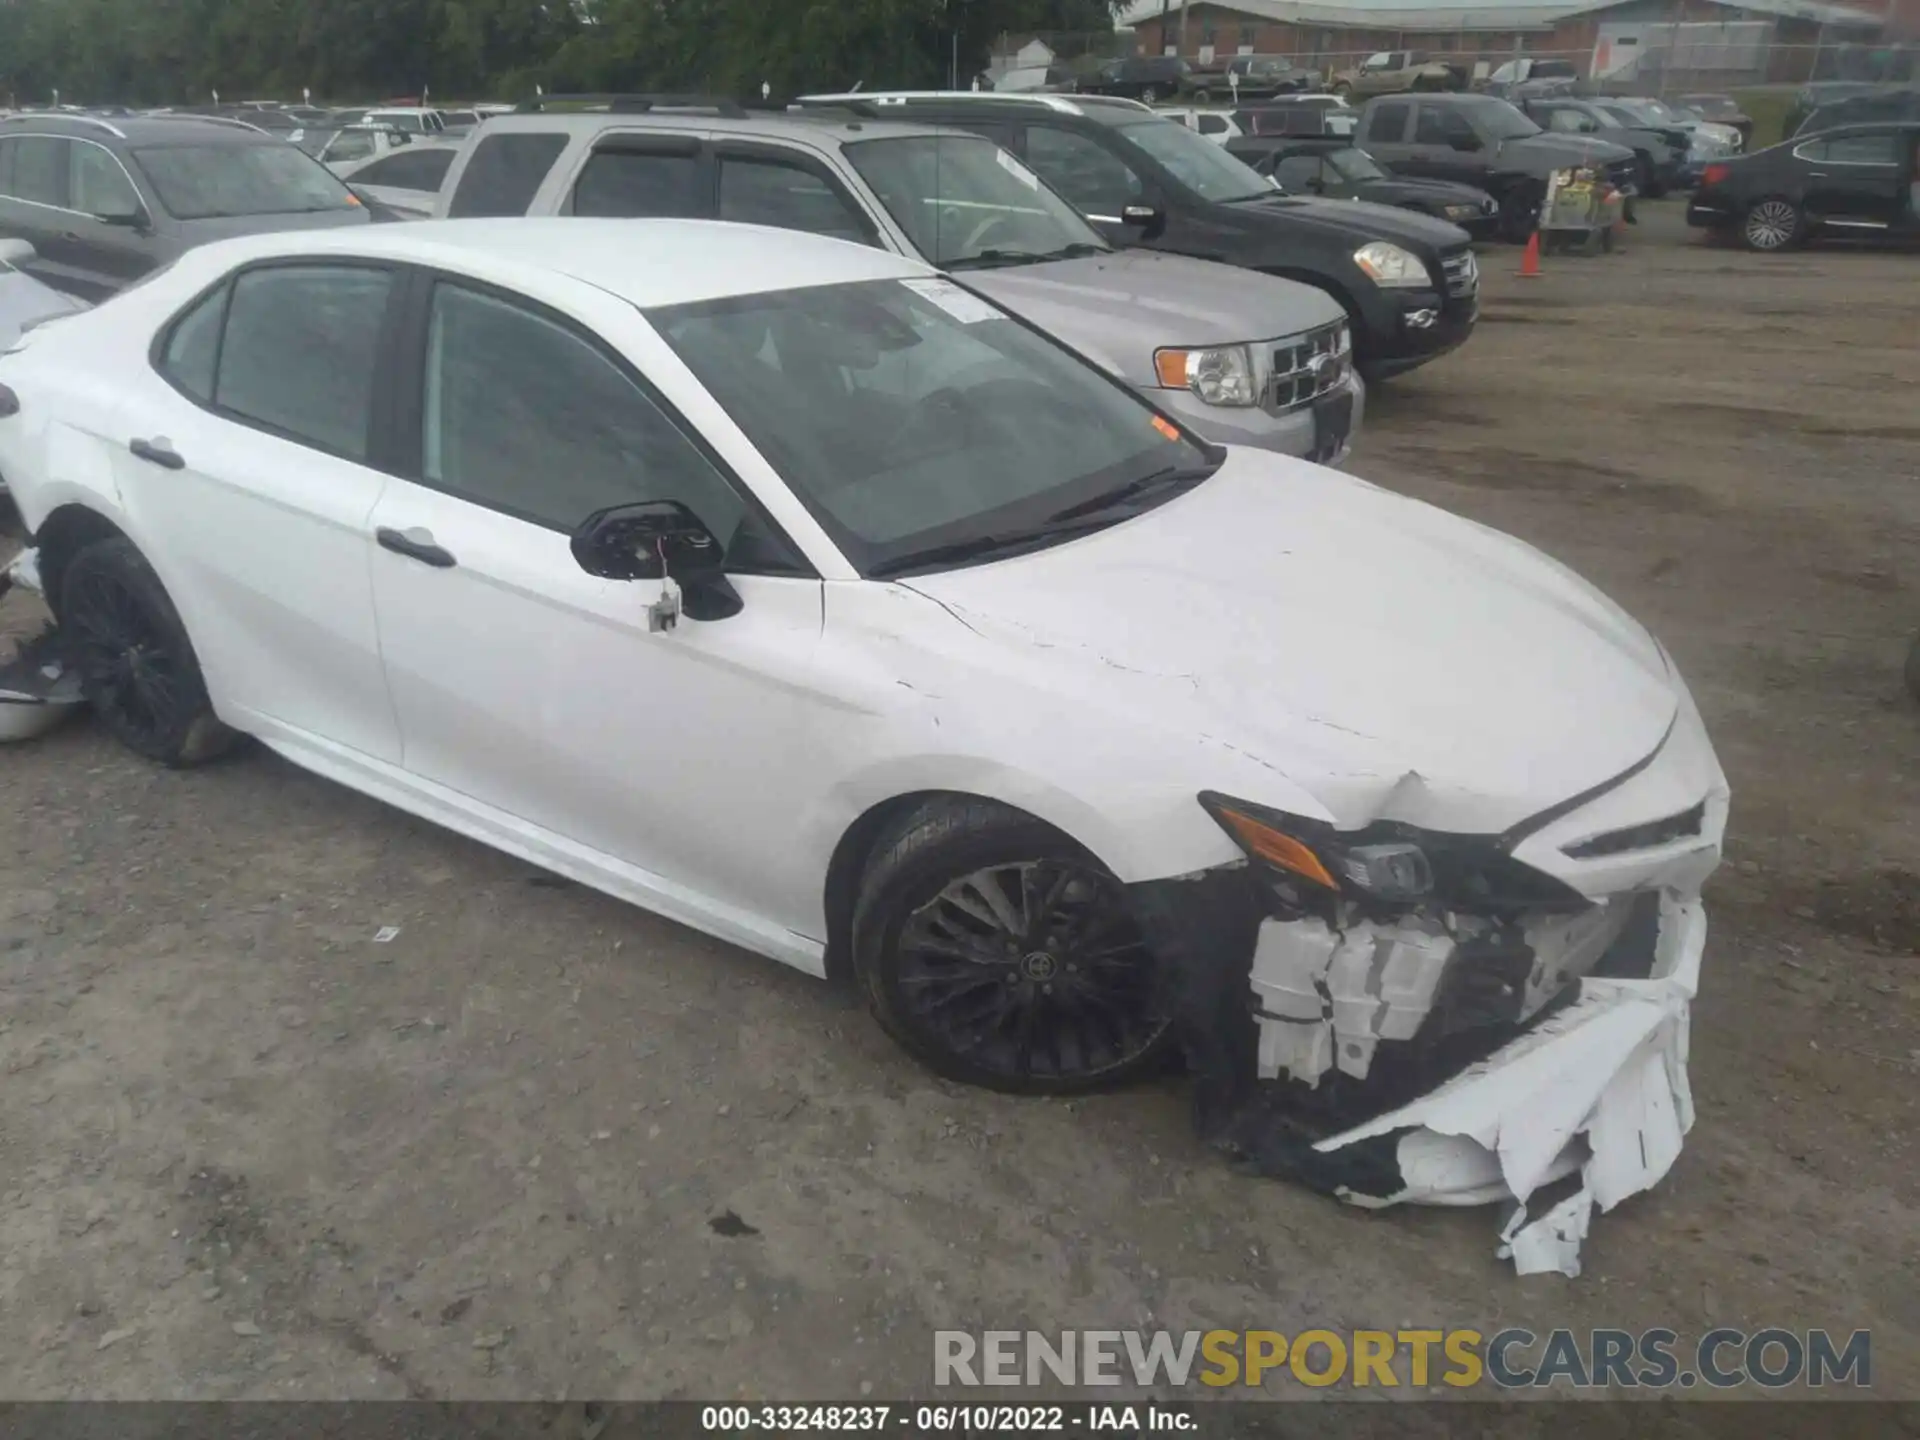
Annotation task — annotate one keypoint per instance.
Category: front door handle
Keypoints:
(415, 544)
(159, 452)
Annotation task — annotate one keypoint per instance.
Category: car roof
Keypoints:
(828, 124)
(647, 263)
(142, 129)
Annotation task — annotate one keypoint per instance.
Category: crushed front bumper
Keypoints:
(1439, 1056)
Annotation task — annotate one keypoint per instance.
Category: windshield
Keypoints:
(914, 418)
(966, 202)
(1497, 120)
(199, 182)
(1355, 165)
(1196, 162)
(409, 121)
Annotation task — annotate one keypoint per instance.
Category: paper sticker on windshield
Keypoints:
(962, 305)
(1019, 172)
(1166, 428)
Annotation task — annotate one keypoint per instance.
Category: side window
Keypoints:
(98, 183)
(624, 182)
(524, 415)
(39, 170)
(1387, 124)
(1213, 124)
(504, 173)
(1559, 117)
(763, 191)
(1864, 150)
(299, 349)
(349, 145)
(409, 169)
(1437, 125)
(1090, 177)
(193, 347)
(1298, 173)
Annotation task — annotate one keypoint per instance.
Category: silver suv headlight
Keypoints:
(1391, 267)
(1219, 375)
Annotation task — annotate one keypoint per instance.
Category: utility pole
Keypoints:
(1166, 9)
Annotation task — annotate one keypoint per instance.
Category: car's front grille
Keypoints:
(1306, 367)
(1645, 836)
(1462, 272)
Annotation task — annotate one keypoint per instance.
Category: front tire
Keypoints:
(137, 667)
(1774, 223)
(999, 953)
(1149, 94)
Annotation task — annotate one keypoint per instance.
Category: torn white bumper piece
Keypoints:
(1599, 1086)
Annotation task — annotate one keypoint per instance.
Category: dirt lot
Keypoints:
(246, 1151)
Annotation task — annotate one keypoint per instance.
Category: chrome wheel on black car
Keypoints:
(1773, 224)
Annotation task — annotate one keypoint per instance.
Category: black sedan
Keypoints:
(1859, 180)
(1333, 168)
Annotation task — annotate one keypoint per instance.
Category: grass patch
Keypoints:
(1769, 111)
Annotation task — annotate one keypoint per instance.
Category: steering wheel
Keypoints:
(972, 244)
(952, 402)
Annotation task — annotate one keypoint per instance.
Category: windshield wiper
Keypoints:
(1174, 477)
(982, 546)
(986, 259)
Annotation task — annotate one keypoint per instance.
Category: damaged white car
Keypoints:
(793, 591)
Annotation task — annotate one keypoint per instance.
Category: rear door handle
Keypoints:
(415, 544)
(158, 452)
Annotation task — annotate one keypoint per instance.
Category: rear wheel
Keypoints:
(137, 667)
(999, 953)
(1149, 93)
(1342, 88)
(1773, 224)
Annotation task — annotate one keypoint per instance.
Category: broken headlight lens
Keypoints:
(1222, 375)
(1396, 871)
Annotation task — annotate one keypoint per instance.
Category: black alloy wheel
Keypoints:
(137, 668)
(1000, 954)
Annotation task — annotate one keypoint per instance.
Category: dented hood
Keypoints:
(1391, 659)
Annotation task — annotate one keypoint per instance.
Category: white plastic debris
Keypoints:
(386, 934)
(1600, 1086)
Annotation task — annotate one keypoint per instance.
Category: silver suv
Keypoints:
(1246, 359)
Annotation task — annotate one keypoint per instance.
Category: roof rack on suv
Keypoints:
(640, 104)
(876, 98)
(229, 121)
(93, 120)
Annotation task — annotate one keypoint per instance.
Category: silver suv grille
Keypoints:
(1308, 366)
(1463, 273)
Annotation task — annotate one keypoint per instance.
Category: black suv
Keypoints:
(104, 202)
(1409, 283)
(1486, 142)
(1141, 77)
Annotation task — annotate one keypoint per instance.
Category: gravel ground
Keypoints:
(542, 1144)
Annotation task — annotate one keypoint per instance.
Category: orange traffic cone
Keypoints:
(1530, 262)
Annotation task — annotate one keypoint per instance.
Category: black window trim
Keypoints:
(806, 161)
(401, 439)
(377, 424)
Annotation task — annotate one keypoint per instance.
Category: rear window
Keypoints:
(505, 174)
(205, 182)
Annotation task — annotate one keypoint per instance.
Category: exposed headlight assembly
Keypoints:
(1387, 864)
(1221, 375)
(1390, 267)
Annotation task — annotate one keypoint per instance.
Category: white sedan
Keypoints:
(787, 588)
